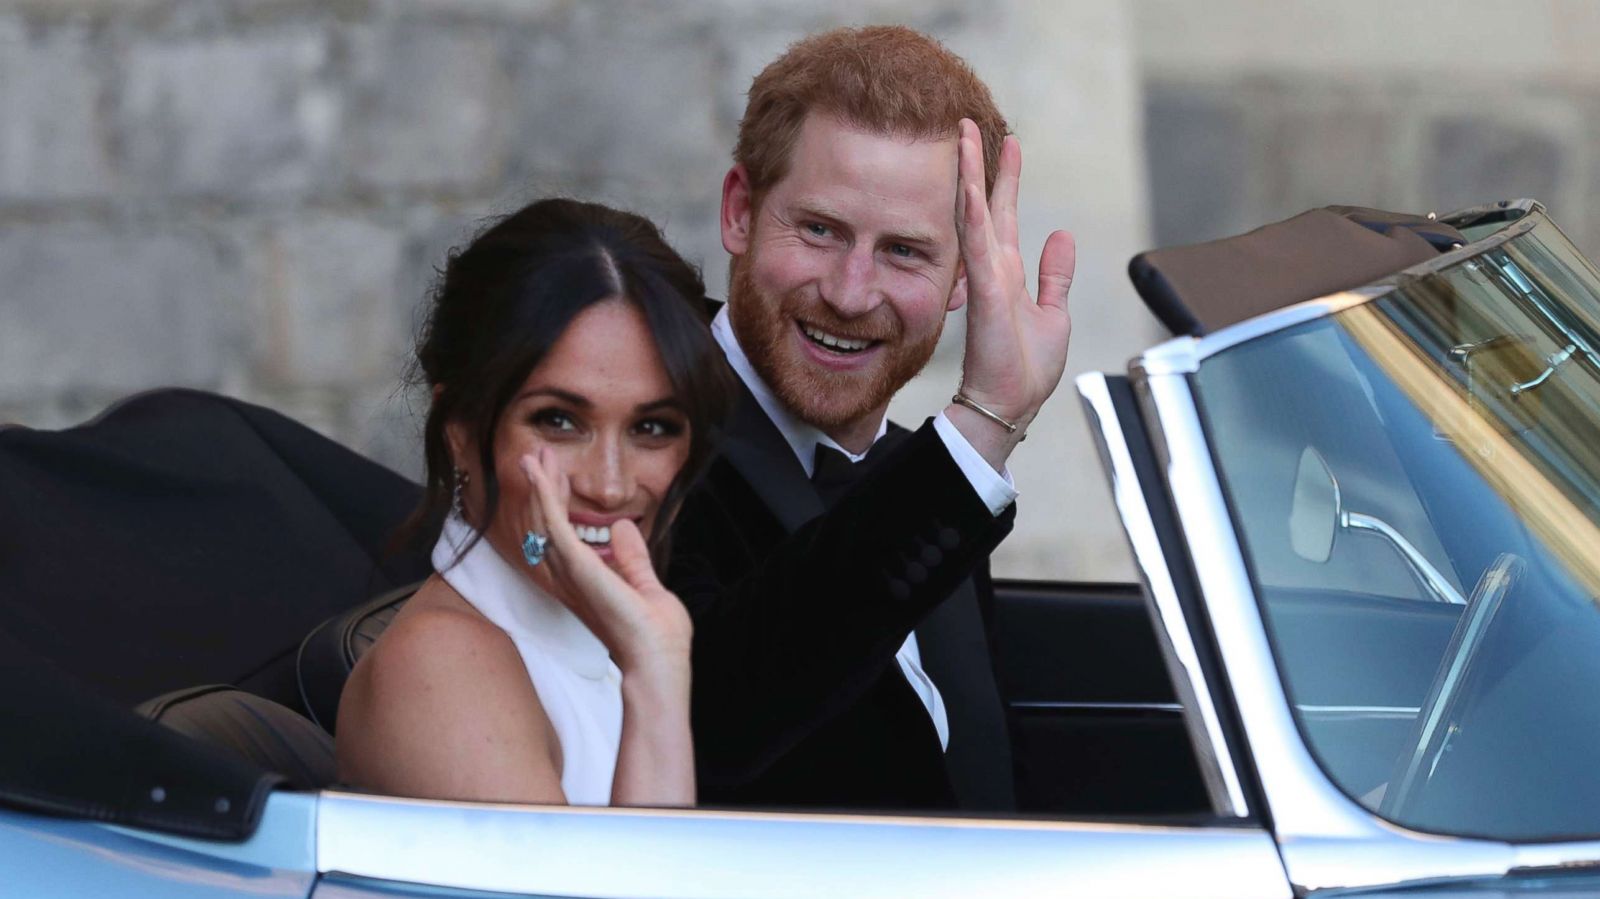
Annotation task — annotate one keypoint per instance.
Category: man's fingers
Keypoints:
(633, 556)
(1003, 201)
(1056, 267)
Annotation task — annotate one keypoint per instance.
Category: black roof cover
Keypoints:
(179, 539)
(1200, 288)
(66, 750)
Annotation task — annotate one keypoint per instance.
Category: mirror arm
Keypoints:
(1431, 579)
(1551, 364)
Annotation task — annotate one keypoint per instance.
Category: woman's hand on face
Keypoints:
(641, 622)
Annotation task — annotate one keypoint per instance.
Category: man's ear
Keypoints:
(737, 210)
(958, 292)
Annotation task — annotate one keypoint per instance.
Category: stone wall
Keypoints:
(251, 196)
(1255, 112)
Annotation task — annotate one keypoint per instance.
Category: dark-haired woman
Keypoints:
(575, 387)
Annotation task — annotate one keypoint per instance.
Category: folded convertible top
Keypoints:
(179, 539)
(1199, 288)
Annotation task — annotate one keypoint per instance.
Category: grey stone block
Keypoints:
(52, 145)
(324, 312)
(634, 112)
(246, 115)
(1475, 159)
(1344, 146)
(1198, 150)
(92, 308)
(428, 106)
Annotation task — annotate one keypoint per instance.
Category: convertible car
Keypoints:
(1361, 485)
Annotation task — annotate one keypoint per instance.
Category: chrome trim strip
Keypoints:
(1100, 706)
(1556, 856)
(1183, 355)
(711, 854)
(1217, 766)
(1382, 711)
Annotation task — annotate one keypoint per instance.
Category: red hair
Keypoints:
(884, 79)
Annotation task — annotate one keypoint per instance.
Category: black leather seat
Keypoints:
(330, 651)
(251, 728)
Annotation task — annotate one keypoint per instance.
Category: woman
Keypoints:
(575, 388)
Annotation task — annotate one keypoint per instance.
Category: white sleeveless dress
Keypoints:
(578, 684)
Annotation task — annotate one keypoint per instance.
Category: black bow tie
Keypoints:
(833, 474)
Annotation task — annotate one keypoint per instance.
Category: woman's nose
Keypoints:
(603, 479)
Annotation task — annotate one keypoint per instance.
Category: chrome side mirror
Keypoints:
(1317, 516)
(1314, 515)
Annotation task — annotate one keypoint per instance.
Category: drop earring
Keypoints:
(457, 505)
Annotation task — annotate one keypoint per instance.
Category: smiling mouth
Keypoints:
(592, 535)
(832, 342)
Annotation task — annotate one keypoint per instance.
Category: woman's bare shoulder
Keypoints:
(437, 644)
(440, 686)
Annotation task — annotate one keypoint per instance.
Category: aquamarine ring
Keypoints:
(533, 546)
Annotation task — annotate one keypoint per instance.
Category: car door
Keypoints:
(375, 846)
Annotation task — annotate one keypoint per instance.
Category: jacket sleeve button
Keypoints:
(949, 538)
(915, 573)
(900, 590)
(931, 556)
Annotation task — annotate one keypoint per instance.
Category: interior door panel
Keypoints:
(1096, 729)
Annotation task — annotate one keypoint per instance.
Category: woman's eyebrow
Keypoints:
(666, 402)
(565, 396)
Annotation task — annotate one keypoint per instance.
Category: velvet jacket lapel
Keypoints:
(756, 449)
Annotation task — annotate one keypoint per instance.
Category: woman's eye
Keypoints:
(657, 427)
(554, 420)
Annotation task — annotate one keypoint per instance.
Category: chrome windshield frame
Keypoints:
(1195, 693)
(1327, 839)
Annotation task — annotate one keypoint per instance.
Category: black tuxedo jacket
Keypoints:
(798, 699)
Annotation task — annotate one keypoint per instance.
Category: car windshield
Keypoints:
(1416, 484)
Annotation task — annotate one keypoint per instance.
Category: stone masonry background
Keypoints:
(250, 197)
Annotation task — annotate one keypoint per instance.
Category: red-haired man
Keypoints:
(840, 652)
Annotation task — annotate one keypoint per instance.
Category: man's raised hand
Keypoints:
(1016, 348)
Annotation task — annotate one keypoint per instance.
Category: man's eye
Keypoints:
(902, 251)
(554, 420)
(817, 229)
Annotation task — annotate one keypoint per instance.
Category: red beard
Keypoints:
(821, 397)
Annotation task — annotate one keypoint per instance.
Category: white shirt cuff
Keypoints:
(996, 489)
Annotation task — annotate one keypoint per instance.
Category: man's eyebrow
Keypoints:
(818, 209)
(921, 238)
(907, 236)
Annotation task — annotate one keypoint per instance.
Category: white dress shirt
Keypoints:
(995, 489)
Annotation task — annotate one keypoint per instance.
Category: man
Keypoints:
(873, 191)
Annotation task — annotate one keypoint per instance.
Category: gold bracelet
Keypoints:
(964, 400)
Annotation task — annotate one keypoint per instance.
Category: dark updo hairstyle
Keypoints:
(501, 304)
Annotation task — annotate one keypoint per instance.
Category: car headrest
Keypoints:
(1200, 288)
(331, 650)
(251, 728)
